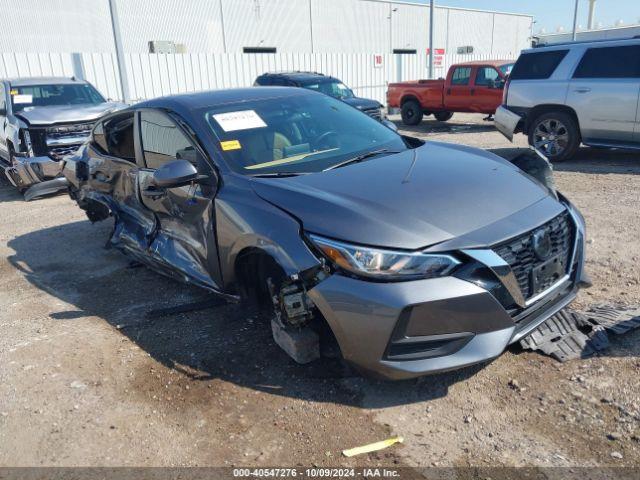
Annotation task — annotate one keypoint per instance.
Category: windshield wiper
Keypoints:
(360, 158)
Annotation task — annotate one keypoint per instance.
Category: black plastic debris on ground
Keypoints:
(569, 334)
(615, 319)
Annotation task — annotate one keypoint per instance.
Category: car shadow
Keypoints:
(589, 160)
(230, 342)
(430, 125)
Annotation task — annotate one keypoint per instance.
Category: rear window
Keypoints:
(610, 62)
(537, 65)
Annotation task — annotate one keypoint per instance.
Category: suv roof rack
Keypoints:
(578, 42)
(289, 72)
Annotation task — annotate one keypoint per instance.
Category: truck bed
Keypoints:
(430, 93)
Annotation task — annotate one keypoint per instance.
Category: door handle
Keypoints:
(582, 90)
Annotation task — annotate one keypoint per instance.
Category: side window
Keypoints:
(537, 65)
(114, 137)
(277, 81)
(486, 75)
(461, 76)
(610, 62)
(163, 141)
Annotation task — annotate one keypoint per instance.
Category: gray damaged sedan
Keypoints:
(411, 257)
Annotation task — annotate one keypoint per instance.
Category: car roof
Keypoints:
(493, 63)
(29, 81)
(585, 44)
(301, 76)
(210, 98)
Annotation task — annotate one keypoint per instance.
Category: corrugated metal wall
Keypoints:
(55, 25)
(154, 75)
(217, 26)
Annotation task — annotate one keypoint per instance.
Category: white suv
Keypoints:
(564, 95)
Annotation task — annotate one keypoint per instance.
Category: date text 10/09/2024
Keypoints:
(315, 472)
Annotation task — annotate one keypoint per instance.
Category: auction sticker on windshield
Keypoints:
(22, 99)
(241, 120)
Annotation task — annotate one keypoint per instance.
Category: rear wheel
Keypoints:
(556, 135)
(411, 113)
(443, 116)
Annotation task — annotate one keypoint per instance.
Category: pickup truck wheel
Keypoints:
(556, 135)
(411, 113)
(443, 116)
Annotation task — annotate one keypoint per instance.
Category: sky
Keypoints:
(551, 14)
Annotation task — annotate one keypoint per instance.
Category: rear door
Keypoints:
(486, 94)
(457, 95)
(112, 177)
(604, 93)
(184, 241)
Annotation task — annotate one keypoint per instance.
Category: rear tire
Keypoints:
(443, 116)
(411, 113)
(556, 135)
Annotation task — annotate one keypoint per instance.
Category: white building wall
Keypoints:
(291, 26)
(350, 26)
(284, 24)
(55, 25)
(467, 27)
(195, 23)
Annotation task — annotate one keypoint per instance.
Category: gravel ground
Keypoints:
(87, 380)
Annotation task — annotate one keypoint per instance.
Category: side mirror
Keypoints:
(390, 124)
(3, 112)
(175, 174)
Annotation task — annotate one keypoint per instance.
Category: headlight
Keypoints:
(385, 264)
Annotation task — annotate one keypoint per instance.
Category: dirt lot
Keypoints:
(86, 379)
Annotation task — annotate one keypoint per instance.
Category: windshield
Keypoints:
(50, 95)
(335, 89)
(506, 69)
(296, 134)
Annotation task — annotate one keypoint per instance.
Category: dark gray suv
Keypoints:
(411, 257)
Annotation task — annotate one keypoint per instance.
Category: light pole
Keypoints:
(575, 21)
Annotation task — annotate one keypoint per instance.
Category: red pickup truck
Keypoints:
(469, 87)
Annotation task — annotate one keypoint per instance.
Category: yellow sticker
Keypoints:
(231, 145)
(14, 92)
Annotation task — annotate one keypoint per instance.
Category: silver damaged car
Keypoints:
(43, 119)
(408, 257)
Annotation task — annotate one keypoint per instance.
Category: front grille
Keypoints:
(59, 141)
(373, 112)
(520, 254)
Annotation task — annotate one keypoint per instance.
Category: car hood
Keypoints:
(38, 116)
(362, 103)
(409, 200)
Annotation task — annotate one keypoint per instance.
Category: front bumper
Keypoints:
(407, 329)
(28, 171)
(506, 121)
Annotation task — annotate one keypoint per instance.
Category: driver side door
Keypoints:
(184, 243)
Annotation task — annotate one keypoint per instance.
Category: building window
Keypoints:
(404, 51)
(259, 49)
